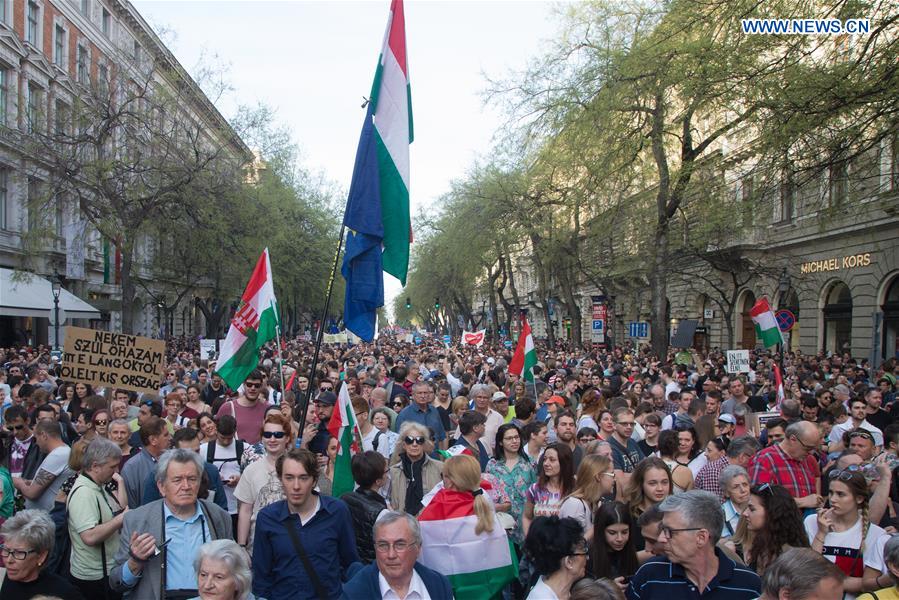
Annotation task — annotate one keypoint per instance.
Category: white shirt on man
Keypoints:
(416, 591)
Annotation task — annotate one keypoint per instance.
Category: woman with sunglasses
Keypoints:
(845, 536)
(412, 472)
(100, 422)
(259, 485)
(771, 523)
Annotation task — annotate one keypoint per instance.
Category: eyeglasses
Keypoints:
(668, 531)
(101, 422)
(16, 554)
(419, 440)
(399, 546)
(581, 550)
(15, 427)
(765, 488)
(803, 444)
(608, 474)
(512, 438)
(254, 386)
(273, 434)
(326, 389)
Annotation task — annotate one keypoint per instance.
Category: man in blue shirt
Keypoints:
(694, 567)
(422, 411)
(305, 524)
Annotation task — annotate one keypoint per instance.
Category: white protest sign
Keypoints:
(738, 361)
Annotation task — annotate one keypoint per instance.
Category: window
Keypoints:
(63, 116)
(4, 93)
(3, 12)
(746, 199)
(86, 8)
(59, 45)
(32, 26)
(82, 66)
(135, 50)
(4, 195)
(894, 162)
(839, 182)
(106, 22)
(787, 196)
(103, 79)
(59, 217)
(33, 108)
(34, 196)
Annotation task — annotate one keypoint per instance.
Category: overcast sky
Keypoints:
(314, 61)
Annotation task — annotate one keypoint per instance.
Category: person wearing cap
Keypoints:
(857, 420)
(424, 412)
(726, 425)
(324, 407)
(553, 405)
(501, 405)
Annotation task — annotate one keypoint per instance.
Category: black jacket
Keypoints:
(365, 506)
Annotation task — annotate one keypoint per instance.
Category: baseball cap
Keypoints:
(727, 418)
(556, 400)
(326, 398)
(497, 396)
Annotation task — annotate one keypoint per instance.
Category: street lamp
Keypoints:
(783, 286)
(56, 288)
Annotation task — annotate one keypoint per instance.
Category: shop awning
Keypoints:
(32, 296)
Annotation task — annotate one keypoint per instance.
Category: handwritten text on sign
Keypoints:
(738, 361)
(113, 359)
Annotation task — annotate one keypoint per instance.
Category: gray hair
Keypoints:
(700, 509)
(744, 444)
(179, 455)
(479, 388)
(891, 551)
(798, 571)
(120, 422)
(33, 526)
(235, 559)
(391, 516)
(730, 473)
(99, 451)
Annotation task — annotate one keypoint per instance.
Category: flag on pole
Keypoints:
(766, 329)
(254, 324)
(779, 384)
(341, 427)
(478, 566)
(525, 358)
(377, 213)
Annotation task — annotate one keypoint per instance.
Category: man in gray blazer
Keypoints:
(160, 540)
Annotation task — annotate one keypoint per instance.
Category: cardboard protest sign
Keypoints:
(113, 360)
(738, 361)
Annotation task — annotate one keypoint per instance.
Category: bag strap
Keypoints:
(210, 451)
(103, 550)
(304, 558)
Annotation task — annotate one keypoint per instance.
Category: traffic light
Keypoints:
(408, 303)
(436, 303)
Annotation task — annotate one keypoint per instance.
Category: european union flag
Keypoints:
(362, 267)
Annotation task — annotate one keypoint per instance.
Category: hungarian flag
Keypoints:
(478, 566)
(766, 329)
(377, 213)
(254, 324)
(341, 426)
(525, 358)
(779, 384)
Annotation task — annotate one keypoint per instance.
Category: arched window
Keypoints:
(890, 308)
(747, 327)
(838, 319)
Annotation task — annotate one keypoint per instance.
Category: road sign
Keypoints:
(600, 314)
(446, 339)
(417, 340)
(638, 329)
(52, 317)
(785, 319)
(507, 343)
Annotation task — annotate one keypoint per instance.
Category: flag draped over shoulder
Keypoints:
(255, 322)
(377, 213)
(525, 358)
(341, 427)
(478, 566)
(766, 329)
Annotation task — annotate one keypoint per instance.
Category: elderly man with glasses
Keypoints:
(792, 465)
(693, 566)
(396, 572)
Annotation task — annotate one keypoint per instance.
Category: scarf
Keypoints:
(414, 486)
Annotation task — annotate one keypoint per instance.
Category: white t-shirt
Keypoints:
(55, 465)
(259, 486)
(841, 547)
(836, 433)
(227, 462)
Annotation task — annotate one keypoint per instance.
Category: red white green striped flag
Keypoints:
(779, 384)
(478, 566)
(525, 358)
(342, 426)
(254, 324)
(766, 329)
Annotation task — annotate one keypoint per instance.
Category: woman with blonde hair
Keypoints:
(595, 479)
(462, 473)
(412, 472)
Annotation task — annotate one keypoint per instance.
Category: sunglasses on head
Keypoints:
(249, 384)
(273, 434)
(419, 440)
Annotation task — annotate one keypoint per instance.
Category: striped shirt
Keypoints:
(660, 578)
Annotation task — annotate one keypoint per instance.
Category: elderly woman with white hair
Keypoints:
(223, 572)
(27, 542)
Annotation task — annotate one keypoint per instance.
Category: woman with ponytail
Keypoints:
(461, 537)
(844, 534)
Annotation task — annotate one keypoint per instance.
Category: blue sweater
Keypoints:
(364, 583)
(328, 539)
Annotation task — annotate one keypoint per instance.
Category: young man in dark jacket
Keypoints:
(366, 503)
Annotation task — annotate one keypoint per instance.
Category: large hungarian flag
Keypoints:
(478, 566)
(766, 329)
(377, 213)
(341, 427)
(254, 324)
(525, 358)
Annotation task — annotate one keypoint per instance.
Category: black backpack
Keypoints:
(210, 452)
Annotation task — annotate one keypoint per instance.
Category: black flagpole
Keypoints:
(321, 331)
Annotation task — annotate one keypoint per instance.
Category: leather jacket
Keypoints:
(365, 506)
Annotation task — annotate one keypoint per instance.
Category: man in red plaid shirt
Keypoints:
(791, 464)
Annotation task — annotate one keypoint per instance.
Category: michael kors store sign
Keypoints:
(853, 261)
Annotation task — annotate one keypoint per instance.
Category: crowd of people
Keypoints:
(609, 474)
